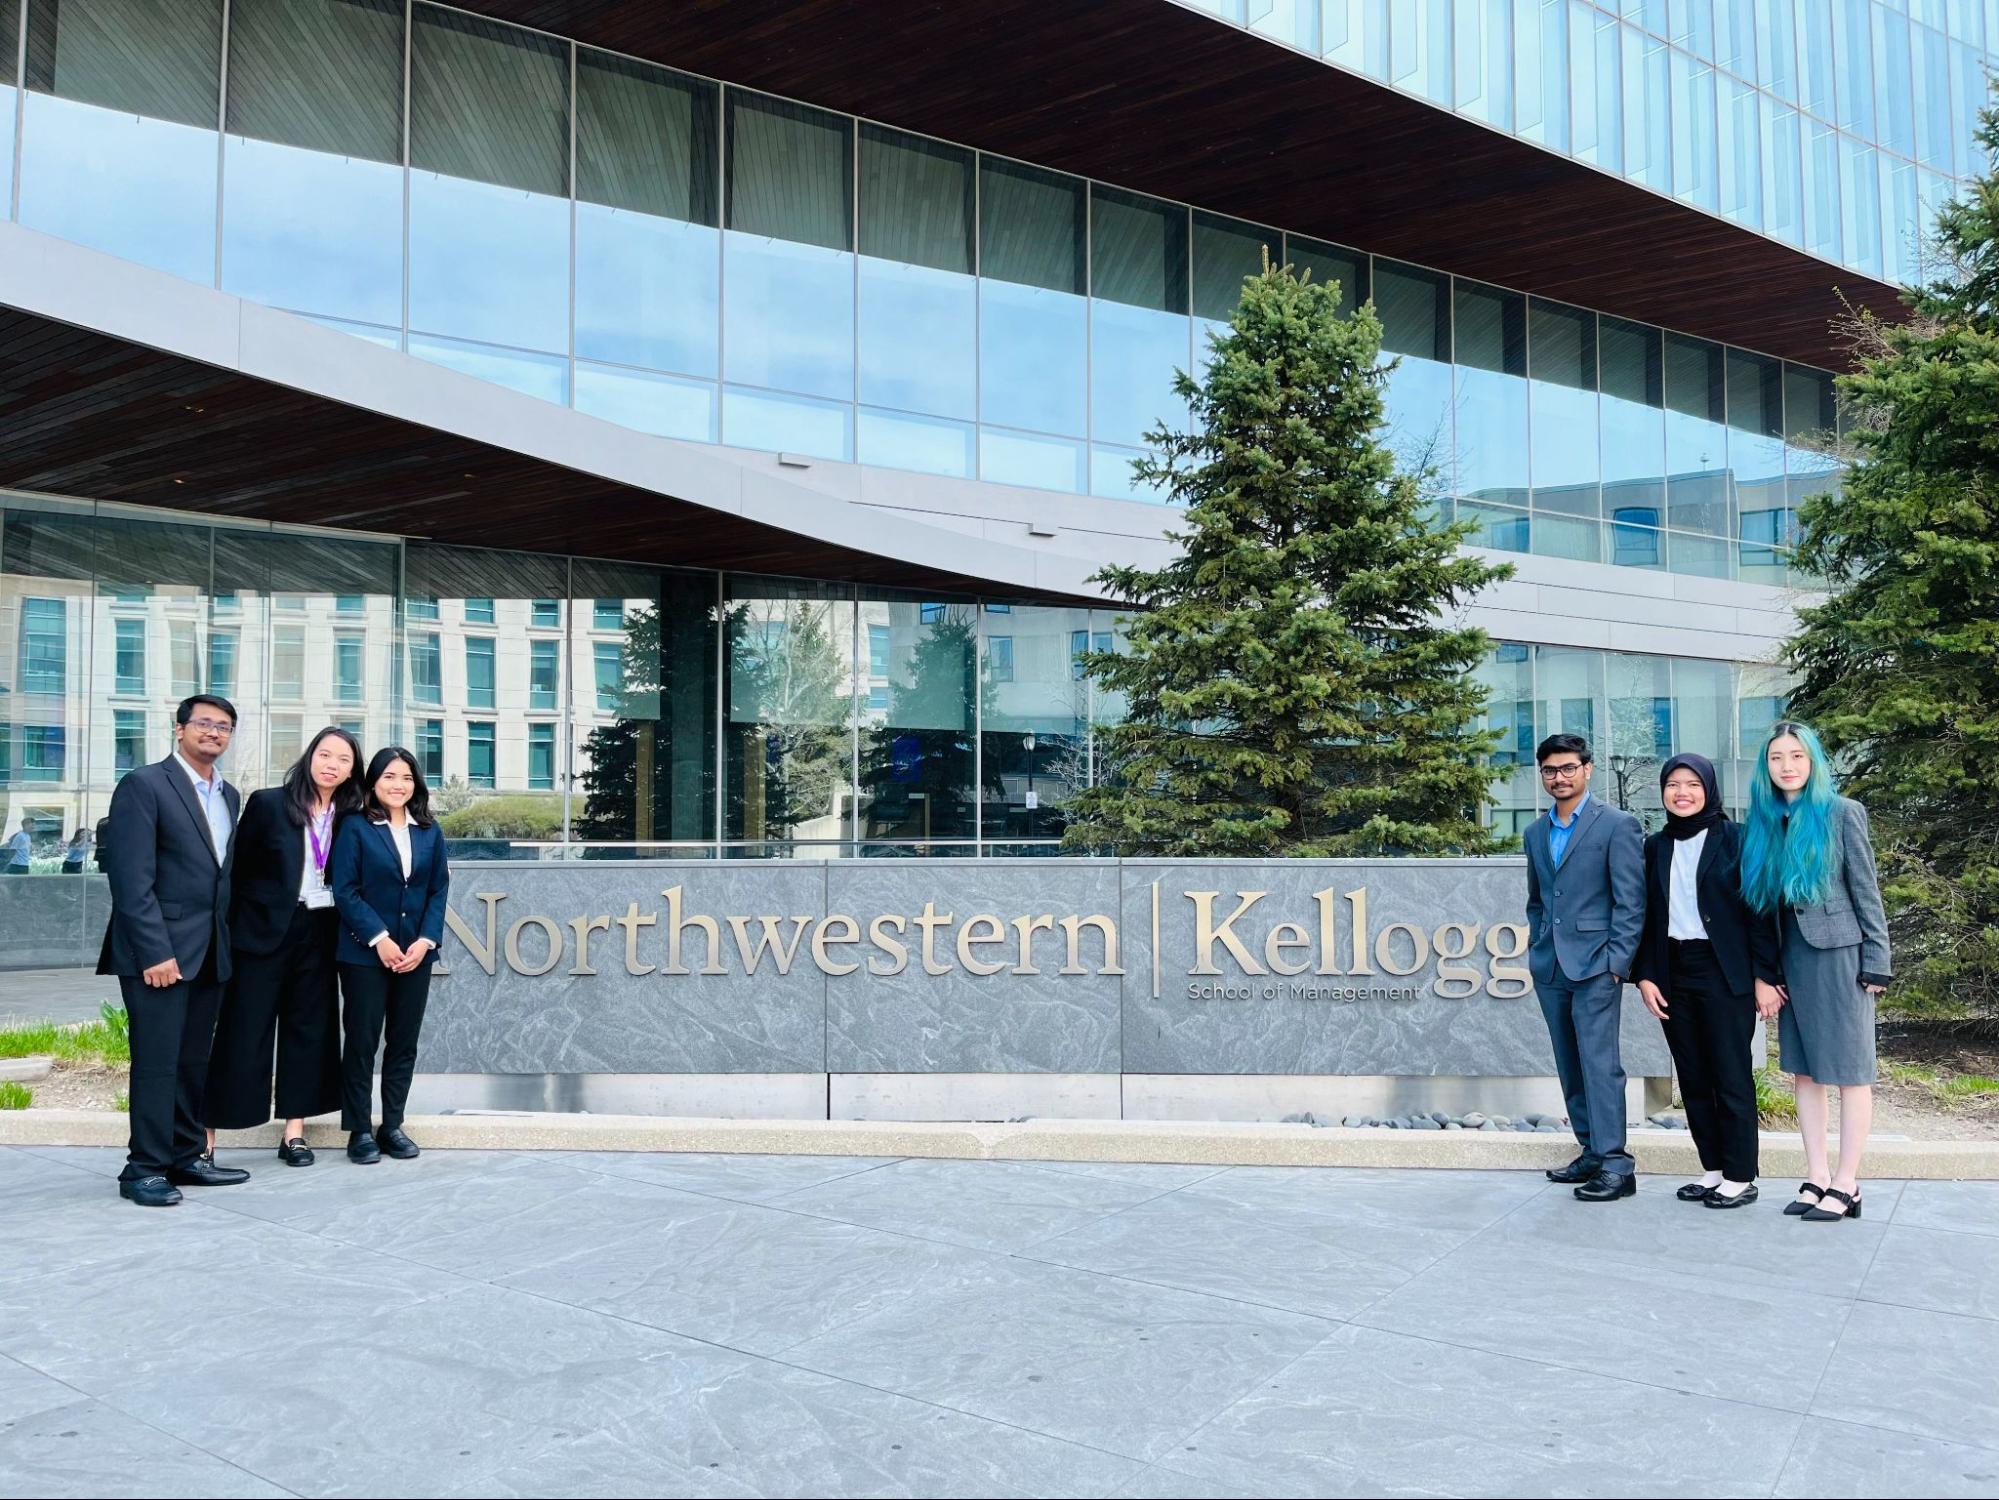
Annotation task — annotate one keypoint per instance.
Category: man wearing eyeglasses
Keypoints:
(167, 847)
(1585, 915)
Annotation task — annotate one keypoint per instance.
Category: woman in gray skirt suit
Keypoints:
(1808, 865)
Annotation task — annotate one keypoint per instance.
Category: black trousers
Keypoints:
(1709, 1030)
(287, 999)
(374, 1001)
(171, 1031)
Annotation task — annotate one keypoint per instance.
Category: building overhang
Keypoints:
(1156, 97)
(125, 384)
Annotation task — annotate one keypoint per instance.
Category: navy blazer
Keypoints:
(366, 874)
(169, 895)
(1745, 944)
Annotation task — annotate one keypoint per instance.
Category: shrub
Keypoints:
(520, 817)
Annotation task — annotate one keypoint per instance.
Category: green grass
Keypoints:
(1774, 1103)
(122, 1102)
(1945, 1088)
(16, 1096)
(105, 1040)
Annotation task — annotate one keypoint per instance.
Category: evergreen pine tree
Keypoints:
(1899, 667)
(1295, 685)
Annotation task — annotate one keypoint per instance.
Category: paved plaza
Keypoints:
(495, 1323)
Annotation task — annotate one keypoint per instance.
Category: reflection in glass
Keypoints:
(1703, 704)
(1491, 396)
(1860, 206)
(1641, 734)
(1562, 355)
(1595, 93)
(1348, 269)
(489, 182)
(927, 445)
(1696, 439)
(1634, 439)
(1820, 190)
(1693, 131)
(648, 258)
(1569, 696)
(544, 376)
(787, 424)
(788, 733)
(10, 36)
(312, 213)
(1033, 317)
(1541, 71)
(1139, 331)
(1111, 475)
(1783, 213)
(1756, 455)
(1648, 133)
(667, 405)
(1740, 144)
(917, 753)
(1028, 458)
(1508, 677)
(1483, 53)
(788, 274)
(118, 148)
(918, 297)
(1414, 307)
(1035, 719)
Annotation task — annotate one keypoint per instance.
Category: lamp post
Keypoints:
(1027, 744)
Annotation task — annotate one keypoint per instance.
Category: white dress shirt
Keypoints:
(214, 806)
(313, 890)
(1683, 897)
(400, 833)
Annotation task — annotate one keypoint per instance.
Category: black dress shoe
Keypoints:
(1606, 1186)
(1693, 1192)
(295, 1152)
(1716, 1198)
(395, 1143)
(1797, 1209)
(149, 1192)
(361, 1148)
(202, 1172)
(1582, 1169)
(1824, 1215)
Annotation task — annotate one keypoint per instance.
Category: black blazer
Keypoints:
(1745, 944)
(169, 896)
(270, 857)
(366, 874)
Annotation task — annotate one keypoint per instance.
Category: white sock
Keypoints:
(1710, 1179)
(1731, 1189)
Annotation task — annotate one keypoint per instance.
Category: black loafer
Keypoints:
(361, 1148)
(1716, 1198)
(1693, 1192)
(1606, 1187)
(202, 1172)
(1582, 1169)
(150, 1192)
(395, 1143)
(295, 1152)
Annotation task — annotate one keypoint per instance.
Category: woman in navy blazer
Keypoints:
(389, 879)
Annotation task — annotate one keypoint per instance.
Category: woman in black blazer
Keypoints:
(282, 928)
(389, 879)
(1707, 966)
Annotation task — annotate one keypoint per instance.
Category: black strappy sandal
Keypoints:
(1798, 1210)
(1852, 1202)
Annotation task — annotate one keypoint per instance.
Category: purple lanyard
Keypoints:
(318, 849)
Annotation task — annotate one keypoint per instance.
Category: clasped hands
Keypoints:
(402, 960)
(1770, 998)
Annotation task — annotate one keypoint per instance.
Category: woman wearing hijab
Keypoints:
(1808, 862)
(1707, 966)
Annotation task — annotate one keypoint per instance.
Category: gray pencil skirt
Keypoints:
(1827, 1030)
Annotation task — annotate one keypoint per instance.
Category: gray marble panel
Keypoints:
(1266, 1022)
(1936, 1269)
(1964, 1207)
(616, 1021)
(24, 1391)
(1373, 1413)
(46, 921)
(1929, 1373)
(964, 1022)
(88, 1448)
(1844, 1461)
(743, 1179)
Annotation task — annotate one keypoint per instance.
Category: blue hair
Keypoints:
(1787, 845)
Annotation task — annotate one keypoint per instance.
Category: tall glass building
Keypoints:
(696, 431)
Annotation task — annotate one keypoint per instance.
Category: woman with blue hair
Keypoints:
(1807, 863)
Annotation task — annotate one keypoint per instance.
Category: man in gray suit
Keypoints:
(1585, 915)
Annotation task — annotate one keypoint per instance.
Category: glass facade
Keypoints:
(1836, 126)
(700, 261)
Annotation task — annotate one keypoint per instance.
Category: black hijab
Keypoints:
(1711, 811)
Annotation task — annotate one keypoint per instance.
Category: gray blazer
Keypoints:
(1586, 917)
(1852, 913)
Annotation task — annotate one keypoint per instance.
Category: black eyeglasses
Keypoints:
(1561, 773)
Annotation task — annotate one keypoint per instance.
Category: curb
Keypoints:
(1189, 1143)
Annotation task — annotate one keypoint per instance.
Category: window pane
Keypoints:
(1634, 437)
(1696, 439)
(1641, 734)
(1347, 268)
(1562, 353)
(1893, 104)
(1415, 312)
(1033, 318)
(667, 405)
(1140, 336)
(787, 424)
(1484, 61)
(312, 215)
(544, 674)
(1648, 126)
(1859, 206)
(545, 376)
(1783, 213)
(928, 445)
(1048, 463)
(489, 182)
(916, 756)
(1853, 66)
(789, 735)
(1756, 451)
(1541, 71)
(118, 149)
(1693, 131)
(1226, 251)
(1491, 383)
(1741, 147)
(918, 297)
(648, 254)
(1821, 190)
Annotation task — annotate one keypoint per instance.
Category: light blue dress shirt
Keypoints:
(214, 806)
(1558, 831)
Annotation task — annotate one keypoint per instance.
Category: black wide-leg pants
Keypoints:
(285, 1002)
(382, 1010)
(171, 1031)
(1709, 1030)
